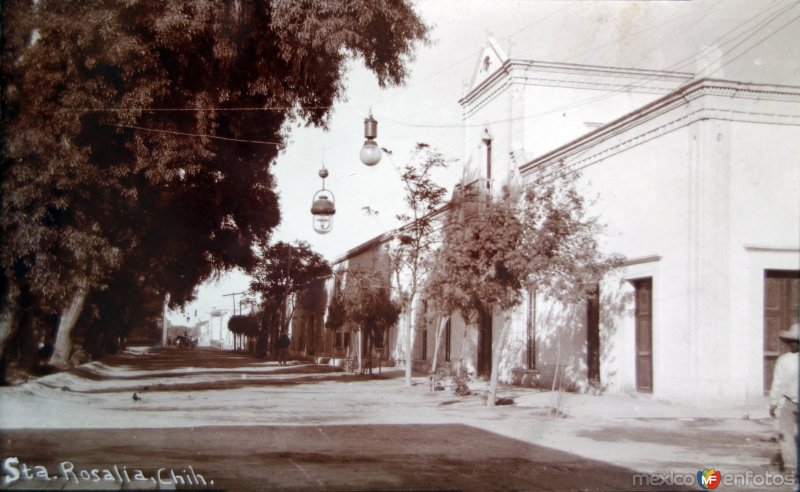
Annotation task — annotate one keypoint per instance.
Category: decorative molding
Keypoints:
(675, 100)
(770, 249)
(641, 260)
(486, 98)
(594, 85)
(573, 68)
(518, 70)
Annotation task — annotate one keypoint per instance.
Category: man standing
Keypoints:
(283, 348)
(783, 396)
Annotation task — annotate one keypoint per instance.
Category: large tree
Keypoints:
(496, 249)
(282, 273)
(138, 135)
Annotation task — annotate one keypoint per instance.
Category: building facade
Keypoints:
(698, 185)
(698, 189)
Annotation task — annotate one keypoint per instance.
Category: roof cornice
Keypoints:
(665, 104)
(389, 235)
(500, 76)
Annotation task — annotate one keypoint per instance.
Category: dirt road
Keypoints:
(245, 424)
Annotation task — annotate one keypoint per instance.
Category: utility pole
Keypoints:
(234, 294)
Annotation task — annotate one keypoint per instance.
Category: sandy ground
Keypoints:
(209, 391)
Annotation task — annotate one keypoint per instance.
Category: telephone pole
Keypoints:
(234, 294)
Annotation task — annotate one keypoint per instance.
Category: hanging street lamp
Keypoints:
(323, 207)
(370, 152)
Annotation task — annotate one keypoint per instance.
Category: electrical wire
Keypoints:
(633, 85)
(185, 134)
(472, 54)
(751, 47)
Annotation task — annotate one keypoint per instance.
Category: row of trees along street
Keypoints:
(478, 254)
(128, 175)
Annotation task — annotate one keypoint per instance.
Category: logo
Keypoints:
(708, 478)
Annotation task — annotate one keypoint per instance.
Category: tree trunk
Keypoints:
(359, 350)
(410, 339)
(497, 350)
(436, 344)
(369, 351)
(164, 328)
(9, 318)
(63, 345)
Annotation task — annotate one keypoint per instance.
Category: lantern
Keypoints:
(370, 152)
(323, 207)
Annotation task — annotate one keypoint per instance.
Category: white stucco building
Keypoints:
(698, 185)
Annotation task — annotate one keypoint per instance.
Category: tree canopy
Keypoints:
(139, 135)
(285, 270)
(368, 304)
(495, 249)
(243, 325)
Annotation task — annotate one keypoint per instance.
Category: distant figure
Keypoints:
(44, 350)
(283, 348)
(783, 396)
(136, 397)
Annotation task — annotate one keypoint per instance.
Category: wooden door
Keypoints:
(593, 336)
(644, 334)
(781, 306)
(448, 335)
(485, 344)
(531, 331)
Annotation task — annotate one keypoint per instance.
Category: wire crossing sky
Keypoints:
(736, 40)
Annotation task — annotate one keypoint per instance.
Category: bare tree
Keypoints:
(412, 247)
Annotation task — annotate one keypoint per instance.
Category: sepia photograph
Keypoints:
(399, 245)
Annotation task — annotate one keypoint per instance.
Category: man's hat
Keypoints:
(791, 334)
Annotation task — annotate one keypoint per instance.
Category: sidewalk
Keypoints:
(651, 436)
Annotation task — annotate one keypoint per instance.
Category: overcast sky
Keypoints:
(747, 40)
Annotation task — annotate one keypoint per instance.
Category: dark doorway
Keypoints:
(485, 344)
(593, 336)
(644, 334)
(781, 307)
(448, 335)
(530, 328)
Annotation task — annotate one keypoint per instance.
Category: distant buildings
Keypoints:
(697, 183)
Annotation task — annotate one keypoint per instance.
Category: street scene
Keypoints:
(247, 424)
(400, 245)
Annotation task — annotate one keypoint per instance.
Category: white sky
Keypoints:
(756, 40)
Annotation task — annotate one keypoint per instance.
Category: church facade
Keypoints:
(697, 185)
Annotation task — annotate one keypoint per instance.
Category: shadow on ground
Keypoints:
(167, 359)
(342, 457)
(212, 370)
(229, 382)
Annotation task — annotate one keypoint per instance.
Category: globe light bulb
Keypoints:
(370, 153)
